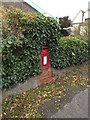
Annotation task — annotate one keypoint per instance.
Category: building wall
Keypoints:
(22, 5)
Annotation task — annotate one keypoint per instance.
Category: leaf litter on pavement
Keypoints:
(26, 105)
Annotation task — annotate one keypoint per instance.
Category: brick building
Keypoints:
(25, 6)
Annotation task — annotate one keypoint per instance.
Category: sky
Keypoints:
(60, 8)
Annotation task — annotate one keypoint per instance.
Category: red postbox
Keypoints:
(44, 57)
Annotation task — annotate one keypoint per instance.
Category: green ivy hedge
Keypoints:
(19, 63)
(71, 51)
(23, 39)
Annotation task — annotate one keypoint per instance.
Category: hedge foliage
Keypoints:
(23, 38)
(24, 35)
(71, 51)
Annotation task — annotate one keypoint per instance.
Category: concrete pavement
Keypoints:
(77, 108)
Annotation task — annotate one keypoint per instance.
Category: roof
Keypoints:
(29, 2)
(81, 16)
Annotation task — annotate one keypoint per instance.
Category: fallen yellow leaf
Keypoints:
(24, 93)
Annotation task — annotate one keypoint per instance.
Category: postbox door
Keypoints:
(44, 58)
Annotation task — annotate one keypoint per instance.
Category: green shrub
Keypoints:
(20, 63)
(71, 51)
(23, 38)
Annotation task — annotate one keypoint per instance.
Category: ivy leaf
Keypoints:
(9, 42)
(73, 53)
